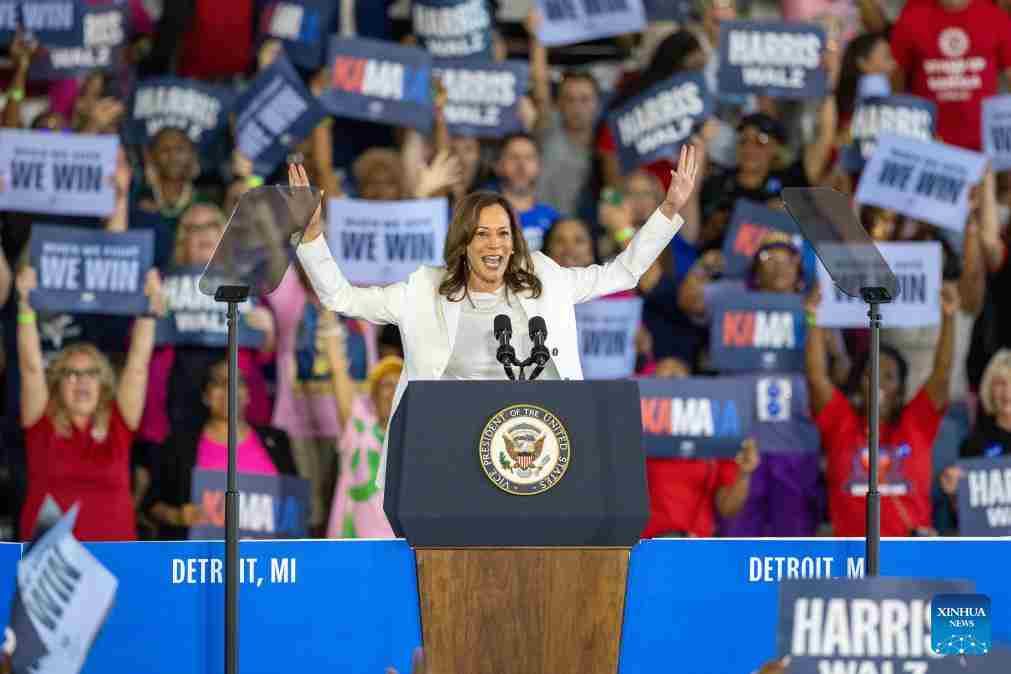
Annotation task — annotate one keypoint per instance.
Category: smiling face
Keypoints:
(490, 249)
(890, 393)
(756, 150)
(80, 385)
(519, 166)
(174, 156)
(200, 229)
(778, 270)
(1000, 394)
(570, 244)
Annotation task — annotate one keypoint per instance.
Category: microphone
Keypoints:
(539, 354)
(506, 354)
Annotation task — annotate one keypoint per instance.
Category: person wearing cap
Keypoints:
(357, 510)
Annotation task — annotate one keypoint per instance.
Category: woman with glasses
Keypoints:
(79, 420)
(202, 444)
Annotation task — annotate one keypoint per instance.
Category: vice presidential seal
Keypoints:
(524, 450)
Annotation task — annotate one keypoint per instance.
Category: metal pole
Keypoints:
(232, 502)
(873, 545)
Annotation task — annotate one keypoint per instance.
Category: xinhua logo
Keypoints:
(960, 624)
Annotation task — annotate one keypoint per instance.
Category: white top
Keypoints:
(475, 345)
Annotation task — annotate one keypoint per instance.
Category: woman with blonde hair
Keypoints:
(79, 422)
(446, 313)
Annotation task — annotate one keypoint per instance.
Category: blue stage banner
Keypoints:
(302, 25)
(772, 58)
(669, 10)
(997, 131)
(910, 116)
(274, 114)
(896, 611)
(453, 29)
(925, 180)
(198, 109)
(270, 506)
(607, 330)
(379, 81)
(984, 497)
(749, 224)
(54, 23)
(655, 124)
(571, 21)
(695, 417)
(90, 271)
(57, 173)
(105, 30)
(196, 319)
(483, 96)
(752, 331)
(10, 555)
(670, 609)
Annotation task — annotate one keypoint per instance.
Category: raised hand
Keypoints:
(297, 177)
(747, 459)
(443, 173)
(682, 181)
(154, 293)
(950, 299)
(26, 281)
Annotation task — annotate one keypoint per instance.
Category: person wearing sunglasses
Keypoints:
(79, 420)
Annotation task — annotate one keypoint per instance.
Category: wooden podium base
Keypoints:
(522, 610)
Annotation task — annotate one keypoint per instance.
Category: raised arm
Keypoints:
(540, 87)
(5, 276)
(993, 247)
(335, 335)
(691, 294)
(624, 271)
(374, 304)
(939, 383)
(21, 54)
(132, 390)
(34, 393)
(819, 382)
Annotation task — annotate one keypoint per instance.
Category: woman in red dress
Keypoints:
(79, 422)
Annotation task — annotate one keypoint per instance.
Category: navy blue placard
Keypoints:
(302, 25)
(655, 124)
(984, 497)
(9, 17)
(757, 331)
(902, 115)
(379, 82)
(749, 224)
(199, 109)
(772, 58)
(90, 271)
(273, 115)
(53, 23)
(695, 417)
(270, 506)
(106, 29)
(669, 10)
(483, 96)
(898, 607)
(453, 29)
(196, 319)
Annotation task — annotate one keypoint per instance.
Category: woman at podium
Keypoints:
(446, 314)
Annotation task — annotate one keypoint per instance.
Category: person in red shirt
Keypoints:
(952, 52)
(79, 423)
(685, 494)
(906, 434)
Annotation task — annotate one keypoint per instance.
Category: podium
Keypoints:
(521, 500)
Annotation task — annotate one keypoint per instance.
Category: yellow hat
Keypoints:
(386, 366)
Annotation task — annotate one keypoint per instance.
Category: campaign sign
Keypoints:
(196, 319)
(452, 29)
(695, 417)
(275, 113)
(772, 58)
(483, 96)
(910, 116)
(878, 624)
(90, 271)
(960, 624)
(654, 124)
(382, 242)
(57, 173)
(9, 17)
(751, 331)
(607, 329)
(783, 423)
(997, 131)
(104, 33)
(570, 21)
(379, 81)
(270, 506)
(53, 23)
(984, 497)
(669, 10)
(198, 109)
(928, 181)
(749, 224)
(917, 268)
(302, 25)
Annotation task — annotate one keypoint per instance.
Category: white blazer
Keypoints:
(428, 320)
